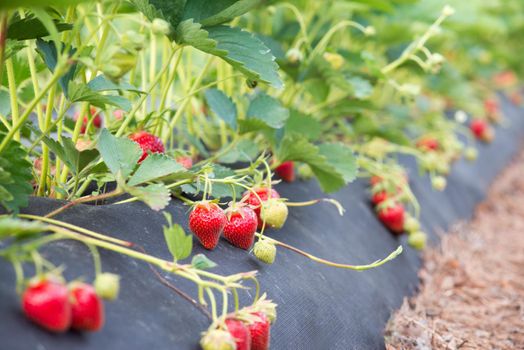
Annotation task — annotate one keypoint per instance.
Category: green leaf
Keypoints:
(120, 154)
(222, 106)
(12, 47)
(246, 53)
(239, 48)
(362, 88)
(342, 158)
(191, 33)
(156, 196)
(47, 50)
(383, 5)
(81, 92)
(251, 125)
(32, 28)
(15, 177)
(298, 148)
(178, 243)
(37, 3)
(269, 110)
(304, 125)
(101, 83)
(11, 227)
(169, 10)
(154, 167)
(5, 103)
(245, 151)
(201, 262)
(75, 160)
(210, 13)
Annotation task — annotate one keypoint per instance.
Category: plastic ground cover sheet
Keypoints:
(319, 307)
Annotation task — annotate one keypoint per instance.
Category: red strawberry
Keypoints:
(374, 180)
(241, 226)
(491, 106)
(207, 220)
(516, 98)
(286, 171)
(428, 143)
(393, 218)
(240, 333)
(185, 161)
(88, 309)
(260, 332)
(379, 197)
(118, 114)
(264, 195)
(148, 142)
(481, 129)
(97, 120)
(506, 78)
(47, 303)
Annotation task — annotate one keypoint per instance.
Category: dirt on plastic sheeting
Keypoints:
(472, 292)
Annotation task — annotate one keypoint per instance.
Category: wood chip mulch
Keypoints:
(472, 293)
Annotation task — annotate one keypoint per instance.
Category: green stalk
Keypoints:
(182, 107)
(56, 75)
(15, 114)
(3, 37)
(45, 150)
(153, 84)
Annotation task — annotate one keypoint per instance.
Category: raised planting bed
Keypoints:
(319, 307)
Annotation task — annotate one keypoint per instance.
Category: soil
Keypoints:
(472, 292)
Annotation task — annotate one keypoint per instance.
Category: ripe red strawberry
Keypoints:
(185, 161)
(88, 309)
(240, 333)
(241, 226)
(260, 332)
(97, 120)
(505, 79)
(379, 197)
(286, 171)
(206, 221)
(374, 180)
(491, 106)
(264, 195)
(393, 218)
(47, 304)
(148, 142)
(428, 143)
(481, 129)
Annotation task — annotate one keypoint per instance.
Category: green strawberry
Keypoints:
(274, 213)
(107, 285)
(217, 339)
(417, 240)
(265, 251)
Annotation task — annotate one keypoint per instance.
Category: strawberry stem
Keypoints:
(374, 264)
(86, 199)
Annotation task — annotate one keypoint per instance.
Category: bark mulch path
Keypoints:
(472, 293)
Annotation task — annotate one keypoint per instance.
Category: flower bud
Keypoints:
(159, 26)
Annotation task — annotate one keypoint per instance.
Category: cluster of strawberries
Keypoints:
(391, 212)
(58, 307)
(480, 128)
(248, 329)
(240, 221)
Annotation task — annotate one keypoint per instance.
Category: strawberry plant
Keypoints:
(217, 105)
